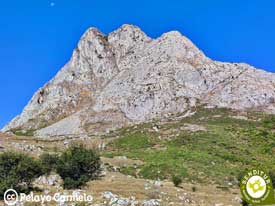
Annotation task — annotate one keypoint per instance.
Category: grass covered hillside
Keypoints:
(211, 146)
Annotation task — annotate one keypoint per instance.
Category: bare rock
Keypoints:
(127, 77)
(52, 180)
(239, 117)
(150, 203)
(193, 127)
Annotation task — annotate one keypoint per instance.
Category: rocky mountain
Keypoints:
(128, 77)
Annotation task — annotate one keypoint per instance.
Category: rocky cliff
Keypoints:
(128, 77)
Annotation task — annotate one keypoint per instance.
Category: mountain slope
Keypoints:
(127, 77)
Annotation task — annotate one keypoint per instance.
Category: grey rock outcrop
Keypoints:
(127, 77)
(52, 180)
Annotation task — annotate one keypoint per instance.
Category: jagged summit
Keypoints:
(127, 77)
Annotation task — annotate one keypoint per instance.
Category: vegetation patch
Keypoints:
(128, 171)
(18, 171)
(48, 162)
(22, 132)
(133, 141)
(78, 165)
(218, 155)
(176, 180)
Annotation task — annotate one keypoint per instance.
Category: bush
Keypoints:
(18, 171)
(269, 122)
(176, 180)
(48, 162)
(244, 203)
(77, 165)
(272, 177)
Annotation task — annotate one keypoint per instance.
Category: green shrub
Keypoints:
(244, 203)
(272, 177)
(18, 171)
(48, 162)
(77, 165)
(269, 122)
(176, 180)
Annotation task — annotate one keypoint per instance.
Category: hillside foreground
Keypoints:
(208, 148)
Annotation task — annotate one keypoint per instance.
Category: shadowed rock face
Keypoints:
(127, 77)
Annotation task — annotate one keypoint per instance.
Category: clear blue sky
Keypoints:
(37, 37)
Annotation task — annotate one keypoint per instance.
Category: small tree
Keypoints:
(176, 180)
(18, 171)
(77, 165)
(48, 162)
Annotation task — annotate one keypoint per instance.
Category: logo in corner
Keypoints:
(10, 197)
(256, 188)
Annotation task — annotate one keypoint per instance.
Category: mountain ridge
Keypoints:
(128, 77)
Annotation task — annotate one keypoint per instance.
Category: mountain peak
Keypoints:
(173, 34)
(128, 32)
(127, 77)
(92, 33)
(130, 27)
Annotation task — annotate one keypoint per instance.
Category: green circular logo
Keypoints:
(256, 188)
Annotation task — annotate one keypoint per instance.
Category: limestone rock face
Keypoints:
(127, 77)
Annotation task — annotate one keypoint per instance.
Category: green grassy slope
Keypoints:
(220, 154)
